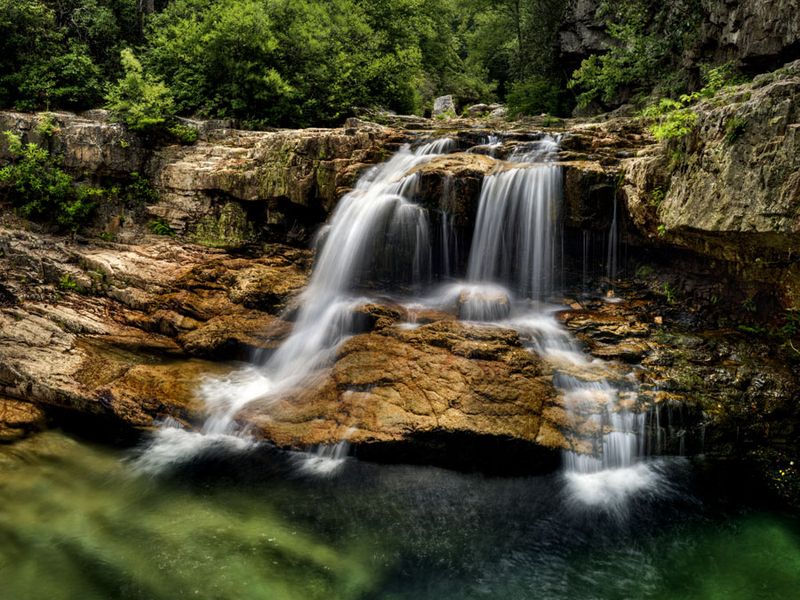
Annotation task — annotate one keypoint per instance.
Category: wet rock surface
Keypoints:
(719, 391)
(110, 330)
(440, 381)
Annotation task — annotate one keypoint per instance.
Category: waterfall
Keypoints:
(375, 233)
(515, 240)
(375, 226)
(378, 235)
(516, 243)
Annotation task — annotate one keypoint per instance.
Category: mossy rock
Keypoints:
(228, 229)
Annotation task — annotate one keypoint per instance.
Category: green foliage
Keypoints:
(67, 283)
(159, 226)
(183, 133)
(649, 39)
(662, 230)
(59, 52)
(41, 191)
(273, 62)
(656, 197)
(138, 99)
(139, 192)
(512, 41)
(675, 124)
(533, 97)
(301, 62)
(669, 293)
(674, 119)
(47, 126)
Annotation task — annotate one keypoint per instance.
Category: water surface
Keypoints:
(78, 522)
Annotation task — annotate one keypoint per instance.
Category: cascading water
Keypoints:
(374, 229)
(515, 237)
(378, 235)
(613, 247)
(516, 244)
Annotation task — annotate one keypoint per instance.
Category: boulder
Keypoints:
(412, 390)
(19, 419)
(481, 110)
(444, 106)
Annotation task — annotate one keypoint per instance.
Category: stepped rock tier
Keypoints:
(375, 278)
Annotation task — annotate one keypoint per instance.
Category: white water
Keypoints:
(377, 231)
(374, 227)
(515, 240)
(517, 244)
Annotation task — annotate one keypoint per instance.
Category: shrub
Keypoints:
(159, 226)
(42, 191)
(139, 100)
(648, 39)
(674, 119)
(47, 126)
(533, 97)
(184, 134)
(675, 124)
(139, 191)
(67, 283)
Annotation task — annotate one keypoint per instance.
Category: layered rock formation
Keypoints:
(109, 330)
(415, 391)
(730, 190)
(295, 175)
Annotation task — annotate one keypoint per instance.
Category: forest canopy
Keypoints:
(309, 62)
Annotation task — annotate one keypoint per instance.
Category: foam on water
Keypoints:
(610, 489)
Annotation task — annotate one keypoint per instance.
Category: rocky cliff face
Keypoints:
(285, 178)
(730, 190)
(759, 35)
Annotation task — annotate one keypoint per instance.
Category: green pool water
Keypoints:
(78, 522)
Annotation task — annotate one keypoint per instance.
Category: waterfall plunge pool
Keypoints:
(78, 521)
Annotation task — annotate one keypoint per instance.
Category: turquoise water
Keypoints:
(77, 523)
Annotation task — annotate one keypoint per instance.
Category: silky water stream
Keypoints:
(215, 515)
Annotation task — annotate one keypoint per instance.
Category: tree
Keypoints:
(139, 100)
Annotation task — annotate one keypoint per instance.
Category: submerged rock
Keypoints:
(19, 419)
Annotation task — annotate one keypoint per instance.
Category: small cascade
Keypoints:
(448, 243)
(376, 233)
(324, 460)
(515, 240)
(488, 146)
(610, 438)
(373, 228)
(543, 150)
(517, 243)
